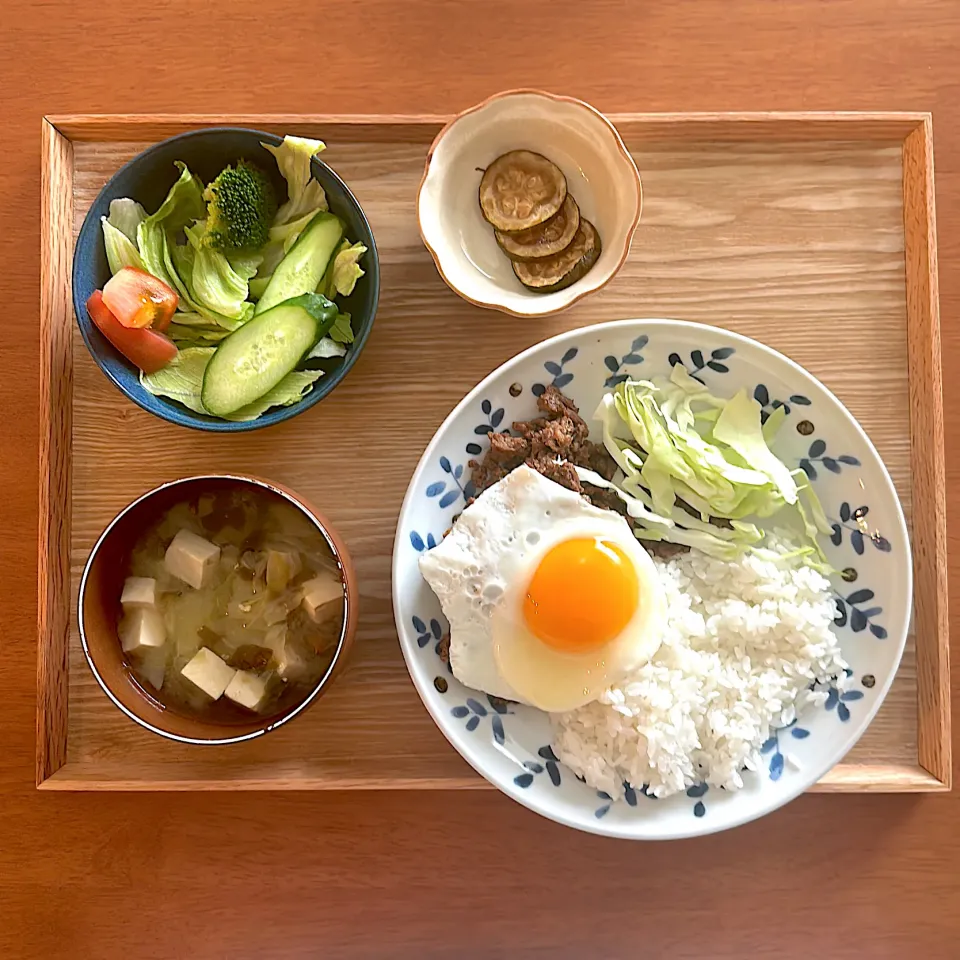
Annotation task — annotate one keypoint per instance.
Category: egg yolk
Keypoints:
(581, 596)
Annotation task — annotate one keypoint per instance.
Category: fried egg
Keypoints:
(549, 599)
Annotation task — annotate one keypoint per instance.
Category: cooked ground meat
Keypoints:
(554, 444)
(594, 457)
(555, 404)
(555, 437)
(664, 550)
(443, 648)
(559, 435)
(505, 448)
(560, 471)
(487, 472)
(606, 499)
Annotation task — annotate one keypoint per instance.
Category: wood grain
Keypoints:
(930, 527)
(429, 875)
(777, 125)
(56, 408)
(781, 240)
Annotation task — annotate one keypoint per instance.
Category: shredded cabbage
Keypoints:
(683, 451)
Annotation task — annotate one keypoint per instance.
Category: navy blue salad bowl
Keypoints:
(147, 178)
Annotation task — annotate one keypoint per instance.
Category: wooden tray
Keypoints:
(812, 232)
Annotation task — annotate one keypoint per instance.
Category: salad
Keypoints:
(222, 296)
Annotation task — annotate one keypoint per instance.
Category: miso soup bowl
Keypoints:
(99, 613)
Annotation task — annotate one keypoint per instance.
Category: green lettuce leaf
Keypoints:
(120, 234)
(217, 286)
(203, 335)
(304, 194)
(342, 331)
(291, 389)
(286, 234)
(127, 215)
(157, 234)
(190, 318)
(182, 380)
(258, 286)
(218, 282)
(325, 349)
(346, 270)
(121, 250)
(209, 284)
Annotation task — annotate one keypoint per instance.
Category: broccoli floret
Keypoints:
(240, 207)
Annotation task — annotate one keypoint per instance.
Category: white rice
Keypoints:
(744, 643)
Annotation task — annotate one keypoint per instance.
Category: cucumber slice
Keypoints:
(301, 270)
(255, 358)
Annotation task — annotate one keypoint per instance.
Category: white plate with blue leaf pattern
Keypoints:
(509, 744)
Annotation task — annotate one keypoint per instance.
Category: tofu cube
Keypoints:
(191, 558)
(323, 597)
(139, 592)
(152, 664)
(209, 673)
(247, 689)
(141, 627)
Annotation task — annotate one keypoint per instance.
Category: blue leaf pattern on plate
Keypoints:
(853, 521)
(768, 404)
(631, 358)
(446, 496)
(818, 454)
(561, 377)
(698, 362)
(850, 610)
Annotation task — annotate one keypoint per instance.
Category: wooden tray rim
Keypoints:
(913, 130)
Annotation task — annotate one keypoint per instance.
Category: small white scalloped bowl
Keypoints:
(600, 174)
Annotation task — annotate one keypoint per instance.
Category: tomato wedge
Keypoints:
(139, 299)
(149, 350)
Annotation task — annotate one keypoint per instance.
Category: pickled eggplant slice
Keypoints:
(521, 189)
(549, 274)
(546, 240)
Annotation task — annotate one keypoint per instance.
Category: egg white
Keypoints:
(478, 570)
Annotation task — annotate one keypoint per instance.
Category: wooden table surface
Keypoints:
(432, 874)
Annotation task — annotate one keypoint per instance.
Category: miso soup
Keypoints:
(233, 605)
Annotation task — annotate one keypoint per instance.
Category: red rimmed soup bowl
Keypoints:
(209, 718)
